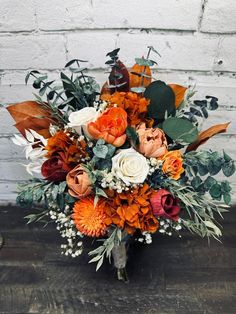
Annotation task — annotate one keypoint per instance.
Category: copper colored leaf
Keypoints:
(179, 92)
(31, 115)
(205, 135)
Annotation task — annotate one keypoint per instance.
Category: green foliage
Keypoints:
(145, 62)
(106, 248)
(42, 192)
(132, 135)
(200, 210)
(162, 100)
(103, 153)
(180, 130)
(209, 163)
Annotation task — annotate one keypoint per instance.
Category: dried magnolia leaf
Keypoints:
(179, 92)
(31, 115)
(205, 135)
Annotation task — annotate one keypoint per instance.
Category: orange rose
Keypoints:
(153, 142)
(173, 164)
(110, 126)
(78, 182)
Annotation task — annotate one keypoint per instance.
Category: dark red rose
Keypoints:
(164, 204)
(54, 169)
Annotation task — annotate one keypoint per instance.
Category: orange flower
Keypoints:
(132, 210)
(110, 126)
(78, 182)
(69, 150)
(173, 164)
(135, 106)
(153, 142)
(88, 219)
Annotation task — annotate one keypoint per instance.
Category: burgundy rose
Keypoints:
(54, 169)
(165, 205)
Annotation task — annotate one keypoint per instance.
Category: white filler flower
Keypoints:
(130, 166)
(78, 120)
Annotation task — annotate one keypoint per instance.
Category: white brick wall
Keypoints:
(196, 38)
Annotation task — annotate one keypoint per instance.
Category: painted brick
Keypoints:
(32, 51)
(10, 151)
(13, 171)
(219, 16)
(6, 123)
(226, 59)
(17, 16)
(182, 52)
(76, 14)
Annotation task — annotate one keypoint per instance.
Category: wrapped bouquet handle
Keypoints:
(119, 255)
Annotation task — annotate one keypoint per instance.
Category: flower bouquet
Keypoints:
(121, 163)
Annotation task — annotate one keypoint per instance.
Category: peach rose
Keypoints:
(153, 142)
(110, 126)
(173, 164)
(78, 182)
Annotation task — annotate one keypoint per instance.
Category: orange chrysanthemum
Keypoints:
(69, 150)
(134, 105)
(132, 210)
(88, 219)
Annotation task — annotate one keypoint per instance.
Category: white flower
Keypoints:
(130, 166)
(79, 119)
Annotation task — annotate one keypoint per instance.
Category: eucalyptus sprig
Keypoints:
(105, 249)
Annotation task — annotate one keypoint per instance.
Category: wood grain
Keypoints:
(171, 276)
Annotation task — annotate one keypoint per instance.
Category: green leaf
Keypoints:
(227, 158)
(215, 191)
(196, 182)
(227, 198)
(228, 168)
(100, 192)
(202, 169)
(180, 130)
(138, 90)
(209, 182)
(132, 135)
(144, 62)
(162, 100)
(225, 187)
(111, 150)
(100, 151)
(214, 167)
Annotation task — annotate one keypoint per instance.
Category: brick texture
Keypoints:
(219, 16)
(196, 39)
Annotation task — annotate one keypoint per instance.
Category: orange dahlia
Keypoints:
(134, 105)
(132, 210)
(88, 219)
(70, 150)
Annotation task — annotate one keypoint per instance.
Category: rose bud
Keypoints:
(53, 169)
(153, 142)
(164, 204)
(110, 126)
(79, 182)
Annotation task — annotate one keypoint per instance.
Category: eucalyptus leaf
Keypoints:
(228, 168)
(215, 191)
(227, 198)
(180, 130)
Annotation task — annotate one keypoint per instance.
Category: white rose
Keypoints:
(79, 119)
(130, 166)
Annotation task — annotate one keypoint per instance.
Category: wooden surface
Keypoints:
(170, 276)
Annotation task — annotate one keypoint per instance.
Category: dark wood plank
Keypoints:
(171, 276)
